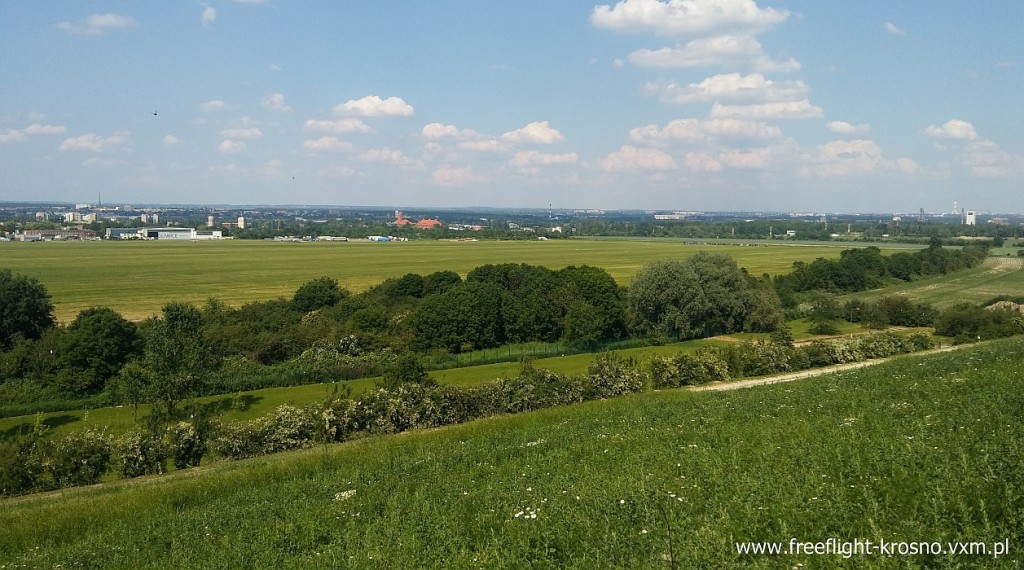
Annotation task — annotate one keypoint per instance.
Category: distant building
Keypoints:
(400, 220)
(209, 234)
(427, 224)
(241, 222)
(209, 221)
(971, 218)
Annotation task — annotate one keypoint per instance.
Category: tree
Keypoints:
(99, 342)
(317, 294)
(25, 308)
(440, 281)
(467, 317)
(406, 369)
(702, 296)
(177, 355)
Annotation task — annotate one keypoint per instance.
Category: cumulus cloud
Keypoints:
(719, 51)
(753, 159)
(484, 145)
(538, 132)
(768, 111)
(338, 127)
(374, 106)
(893, 29)
(844, 128)
(11, 136)
(327, 144)
(245, 134)
(629, 158)
(209, 16)
(448, 175)
(231, 147)
(40, 129)
(953, 129)
(434, 131)
(686, 17)
(97, 24)
(532, 158)
(94, 143)
(171, 140)
(275, 102)
(986, 160)
(728, 86)
(860, 156)
(385, 154)
(694, 130)
(213, 106)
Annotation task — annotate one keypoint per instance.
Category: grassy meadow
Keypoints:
(137, 278)
(995, 276)
(923, 448)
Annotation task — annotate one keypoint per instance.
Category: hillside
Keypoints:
(918, 449)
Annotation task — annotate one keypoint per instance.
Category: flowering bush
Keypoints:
(187, 444)
(79, 458)
(140, 453)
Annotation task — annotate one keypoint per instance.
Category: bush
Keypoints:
(287, 428)
(687, 370)
(140, 453)
(20, 467)
(79, 458)
(612, 375)
(187, 444)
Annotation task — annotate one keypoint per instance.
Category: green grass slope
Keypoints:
(918, 449)
(996, 276)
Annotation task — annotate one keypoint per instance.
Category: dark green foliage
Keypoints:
(703, 296)
(966, 322)
(466, 317)
(688, 369)
(406, 369)
(78, 458)
(25, 308)
(408, 285)
(612, 375)
(824, 310)
(178, 356)
(99, 342)
(317, 294)
(440, 281)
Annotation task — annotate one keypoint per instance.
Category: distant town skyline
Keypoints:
(714, 105)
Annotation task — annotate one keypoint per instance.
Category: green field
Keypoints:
(996, 276)
(922, 449)
(137, 278)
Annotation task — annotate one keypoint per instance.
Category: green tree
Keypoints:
(317, 294)
(178, 356)
(99, 341)
(702, 296)
(467, 317)
(406, 369)
(25, 308)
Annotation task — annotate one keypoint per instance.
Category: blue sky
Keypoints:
(867, 106)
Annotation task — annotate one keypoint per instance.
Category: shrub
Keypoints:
(687, 370)
(20, 467)
(612, 375)
(287, 428)
(79, 458)
(187, 444)
(140, 453)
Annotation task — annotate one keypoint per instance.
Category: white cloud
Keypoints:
(385, 154)
(728, 86)
(860, 156)
(693, 130)
(94, 143)
(209, 16)
(245, 134)
(100, 162)
(530, 158)
(686, 17)
(338, 127)
(97, 24)
(844, 128)
(40, 129)
(447, 175)
(893, 29)
(768, 111)
(719, 51)
(275, 102)
(213, 106)
(374, 106)
(231, 147)
(485, 145)
(629, 157)
(327, 144)
(702, 162)
(987, 160)
(434, 131)
(272, 169)
(538, 132)
(953, 129)
(171, 140)
(11, 136)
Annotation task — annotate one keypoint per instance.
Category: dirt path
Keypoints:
(790, 376)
